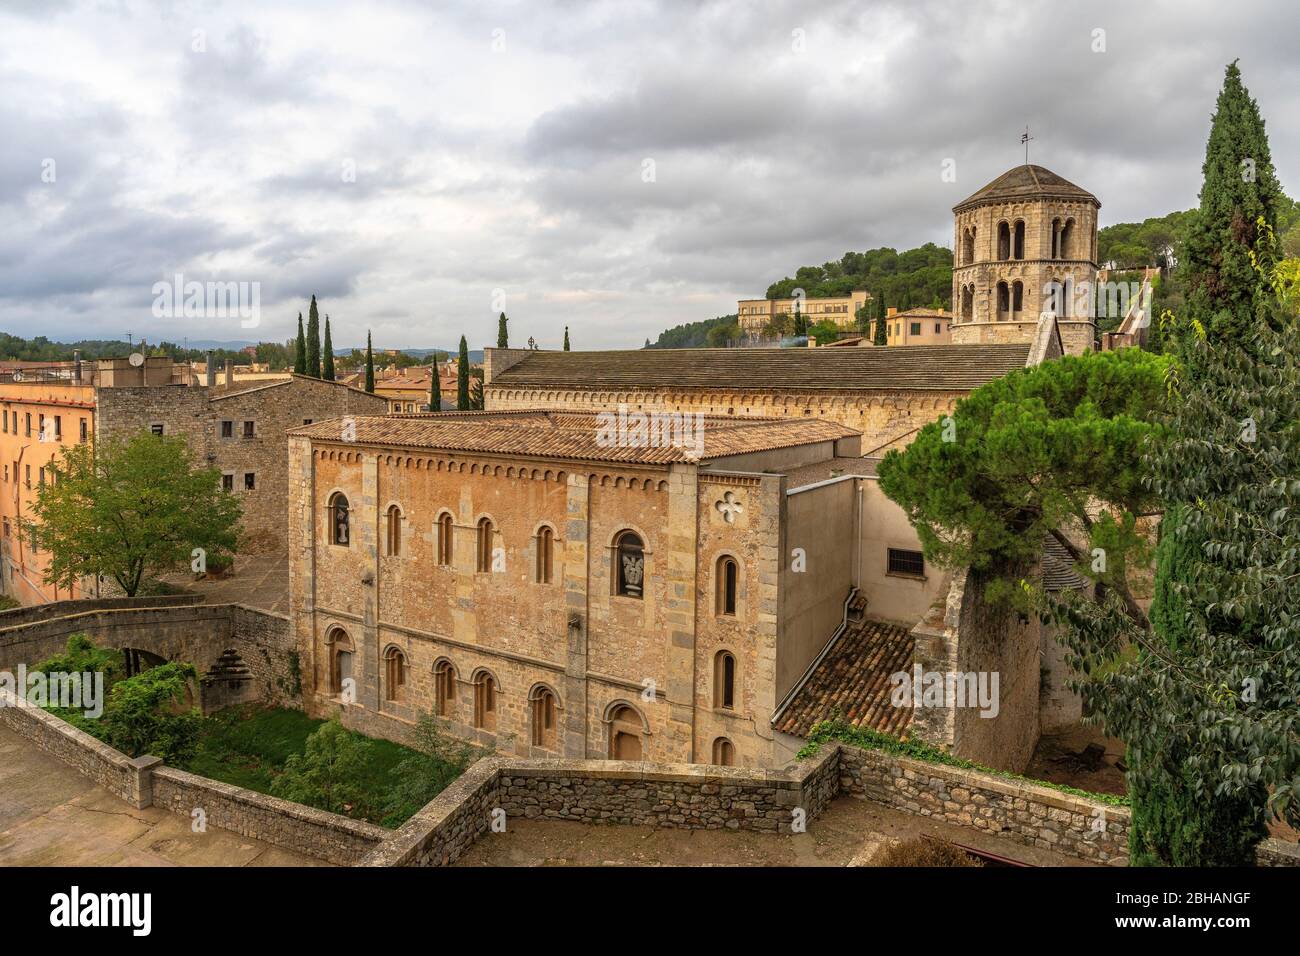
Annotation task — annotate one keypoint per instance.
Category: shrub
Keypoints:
(329, 774)
(920, 851)
(148, 714)
(439, 759)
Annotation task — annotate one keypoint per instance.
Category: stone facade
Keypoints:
(1012, 241)
(240, 432)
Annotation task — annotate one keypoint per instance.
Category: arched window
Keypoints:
(728, 580)
(485, 544)
(394, 673)
(340, 658)
(724, 680)
(967, 302)
(444, 688)
(1019, 248)
(625, 732)
(1056, 238)
(968, 247)
(338, 515)
(444, 540)
(394, 531)
(545, 554)
(1004, 241)
(724, 752)
(543, 706)
(1017, 296)
(1004, 301)
(485, 701)
(629, 558)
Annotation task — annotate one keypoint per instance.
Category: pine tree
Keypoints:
(370, 366)
(882, 330)
(503, 339)
(462, 374)
(566, 338)
(435, 390)
(1240, 188)
(327, 372)
(300, 351)
(313, 340)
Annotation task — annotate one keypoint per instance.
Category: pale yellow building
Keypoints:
(754, 314)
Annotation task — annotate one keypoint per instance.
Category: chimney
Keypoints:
(891, 312)
(76, 366)
(207, 374)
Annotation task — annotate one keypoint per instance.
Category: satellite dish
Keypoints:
(136, 359)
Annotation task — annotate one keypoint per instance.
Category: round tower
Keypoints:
(1023, 245)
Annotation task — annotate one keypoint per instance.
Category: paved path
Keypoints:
(50, 815)
(850, 833)
(258, 580)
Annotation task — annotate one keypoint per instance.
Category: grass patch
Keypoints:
(828, 730)
(250, 746)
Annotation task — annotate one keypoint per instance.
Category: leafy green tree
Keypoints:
(313, 340)
(439, 759)
(692, 335)
(370, 366)
(462, 377)
(81, 656)
(566, 338)
(882, 328)
(1240, 188)
(1054, 449)
(147, 714)
(131, 509)
(327, 372)
(503, 337)
(723, 336)
(328, 773)
(825, 332)
(300, 350)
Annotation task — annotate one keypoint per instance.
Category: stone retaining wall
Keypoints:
(1016, 809)
(113, 770)
(315, 833)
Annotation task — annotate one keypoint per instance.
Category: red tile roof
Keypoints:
(575, 435)
(852, 682)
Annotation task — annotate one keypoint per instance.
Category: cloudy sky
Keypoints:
(615, 167)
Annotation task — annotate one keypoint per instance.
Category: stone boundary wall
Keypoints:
(1016, 809)
(44, 612)
(686, 796)
(316, 833)
(113, 770)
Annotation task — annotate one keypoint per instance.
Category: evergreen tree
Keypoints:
(435, 389)
(1240, 188)
(476, 394)
(462, 373)
(300, 350)
(882, 331)
(503, 339)
(327, 372)
(313, 340)
(370, 366)
(800, 326)
(566, 338)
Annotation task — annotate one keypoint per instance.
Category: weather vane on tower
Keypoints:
(1025, 138)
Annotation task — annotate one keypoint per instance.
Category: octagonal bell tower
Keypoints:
(1025, 244)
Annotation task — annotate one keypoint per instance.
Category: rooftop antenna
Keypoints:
(1025, 138)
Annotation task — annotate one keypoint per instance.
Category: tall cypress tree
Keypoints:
(882, 331)
(370, 366)
(313, 340)
(462, 375)
(1240, 188)
(435, 387)
(503, 339)
(327, 372)
(566, 338)
(300, 351)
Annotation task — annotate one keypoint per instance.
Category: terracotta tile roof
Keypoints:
(575, 435)
(1026, 182)
(923, 366)
(852, 682)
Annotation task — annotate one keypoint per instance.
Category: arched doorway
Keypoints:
(625, 731)
(339, 650)
(136, 661)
